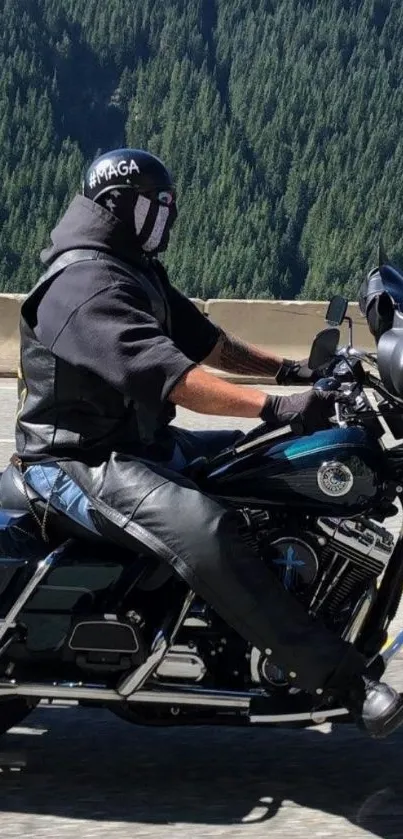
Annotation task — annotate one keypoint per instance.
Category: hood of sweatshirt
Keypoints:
(88, 225)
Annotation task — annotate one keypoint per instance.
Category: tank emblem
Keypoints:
(335, 479)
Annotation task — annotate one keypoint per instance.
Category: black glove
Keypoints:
(305, 412)
(295, 373)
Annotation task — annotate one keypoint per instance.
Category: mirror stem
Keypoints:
(350, 330)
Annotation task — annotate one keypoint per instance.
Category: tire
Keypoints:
(14, 711)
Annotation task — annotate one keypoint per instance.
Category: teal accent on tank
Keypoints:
(319, 441)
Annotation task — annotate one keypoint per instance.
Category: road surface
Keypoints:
(69, 773)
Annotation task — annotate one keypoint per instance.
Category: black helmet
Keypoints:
(133, 168)
(135, 186)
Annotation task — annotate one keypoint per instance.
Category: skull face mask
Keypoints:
(154, 217)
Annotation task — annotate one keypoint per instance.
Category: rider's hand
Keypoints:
(305, 412)
(295, 373)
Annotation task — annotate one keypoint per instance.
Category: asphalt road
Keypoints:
(71, 772)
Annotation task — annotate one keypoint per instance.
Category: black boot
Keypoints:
(376, 707)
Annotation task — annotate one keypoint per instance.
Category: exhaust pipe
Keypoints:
(166, 696)
(169, 695)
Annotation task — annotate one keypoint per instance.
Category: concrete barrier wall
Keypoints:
(285, 328)
(10, 305)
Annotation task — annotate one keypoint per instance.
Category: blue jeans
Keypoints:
(49, 481)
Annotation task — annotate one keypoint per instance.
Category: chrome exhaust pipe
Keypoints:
(70, 692)
(172, 695)
(168, 695)
(163, 695)
(313, 717)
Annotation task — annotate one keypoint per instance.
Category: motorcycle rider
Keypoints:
(108, 349)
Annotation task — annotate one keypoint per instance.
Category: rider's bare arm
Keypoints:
(202, 392)
(236, 356)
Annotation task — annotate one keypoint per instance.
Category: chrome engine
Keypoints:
(355, 553)
(332, 569)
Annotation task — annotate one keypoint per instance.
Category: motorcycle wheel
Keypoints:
(14, 711)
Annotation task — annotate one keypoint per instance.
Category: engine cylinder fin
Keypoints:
(360, 570)
(370, 564)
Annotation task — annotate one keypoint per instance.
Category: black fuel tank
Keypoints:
(340, 470)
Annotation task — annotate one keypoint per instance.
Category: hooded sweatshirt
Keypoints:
(93, 353)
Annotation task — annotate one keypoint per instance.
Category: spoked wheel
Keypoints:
(13, 711)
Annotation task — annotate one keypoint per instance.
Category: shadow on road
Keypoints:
(90, 765)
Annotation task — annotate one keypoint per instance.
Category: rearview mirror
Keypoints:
(336, 310)
(323, 348)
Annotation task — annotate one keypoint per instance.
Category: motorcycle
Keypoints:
(82, 620)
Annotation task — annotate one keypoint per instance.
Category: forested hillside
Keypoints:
(282, 121)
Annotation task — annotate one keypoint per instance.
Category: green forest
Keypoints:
(281, 121)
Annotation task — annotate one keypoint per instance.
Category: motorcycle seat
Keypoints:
(15, 505)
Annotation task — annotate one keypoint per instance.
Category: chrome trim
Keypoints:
(42, 568)
(265, 437)
(164, 639)
(258, 663)
(328, 526)
(332, 466)
(371, 540)
(359, 615)
(314, 605)
(170, 694)
(104, 649)
(71, 692)
(255, 657)
(200, 623)
(307, 716)
(199, 616)
(164, 694)
(181, 662)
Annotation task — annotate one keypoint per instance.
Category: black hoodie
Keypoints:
(112, 330)
(97, 326)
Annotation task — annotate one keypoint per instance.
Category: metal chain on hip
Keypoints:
(42, 523)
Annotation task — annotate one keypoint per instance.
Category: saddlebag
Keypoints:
(19, 546)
